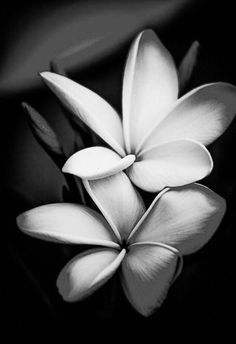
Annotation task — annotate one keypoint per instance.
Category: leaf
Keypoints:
(45, 135)
(187, 65)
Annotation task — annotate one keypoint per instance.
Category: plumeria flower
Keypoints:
(146, 246)
(160, 141)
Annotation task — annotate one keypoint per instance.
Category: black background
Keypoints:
(201, 304)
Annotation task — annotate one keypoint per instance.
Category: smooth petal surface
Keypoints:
(150, 87)
(202, 115)
(147, 272)
(119, 202)
(172, 164)
(96, 162)
(67, 223)
(185, 218)
(89, 107)
(87, 272)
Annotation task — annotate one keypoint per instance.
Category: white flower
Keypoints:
(160, 141)
(144, 244)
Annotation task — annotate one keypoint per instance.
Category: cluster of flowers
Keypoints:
(159, 146)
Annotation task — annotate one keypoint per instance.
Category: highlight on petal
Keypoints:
(185, 218)
(119, 202)
(147, 272)
(150, 87)
(202, 115)
(171, 164)
(93, 110)
(67, 223)
(87, 272)
(96, 162)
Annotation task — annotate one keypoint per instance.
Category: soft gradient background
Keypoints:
(90, 40)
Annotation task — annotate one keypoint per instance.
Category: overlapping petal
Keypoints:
(96, 162)
(119, 202)
(202, 115)
(171, 164)
(87, 272)
(153, 119)
(67, 223)
(147, 272)
(179, 221)
(150, 87)
(89, 107)
(185, 218)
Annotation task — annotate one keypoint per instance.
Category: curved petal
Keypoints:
(172, 164)
(67, 223)
(119, 202)
(89, 107)
(87, 272)
(202, 115)
(96, 162)
(185, 218)
(147, 272)
(150, 87)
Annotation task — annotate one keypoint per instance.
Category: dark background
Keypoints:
(201, 304)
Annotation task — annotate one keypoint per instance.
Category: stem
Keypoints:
(75, 186)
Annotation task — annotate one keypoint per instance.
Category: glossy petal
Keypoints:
(150, 87)
(185, 218)
(119, 202)
(172, 164)
(96, 162)
(202, 115)
(147, 272)
(67, 223)
(89, 107)
(87, 272)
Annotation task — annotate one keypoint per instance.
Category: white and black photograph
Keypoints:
(119, 175)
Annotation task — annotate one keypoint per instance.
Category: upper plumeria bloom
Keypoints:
(161, 140)
(144, 244)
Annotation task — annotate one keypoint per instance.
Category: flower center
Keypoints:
(124, 245)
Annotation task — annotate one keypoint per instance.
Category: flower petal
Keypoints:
(96, 162)
(147, 272)
(119, 202)
(67, 223)
(172, 164)
(202, 115)
(150, 87)
(87, 272)
(185, 218)
(89, 107)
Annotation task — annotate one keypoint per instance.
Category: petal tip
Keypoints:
(49, 77)
(20, 220)
(45, 74)
(196, 44)
(63, 288)
(70, 166)
(65, 168)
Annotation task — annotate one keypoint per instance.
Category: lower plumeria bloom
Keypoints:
(146, 246)
(161, 140)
